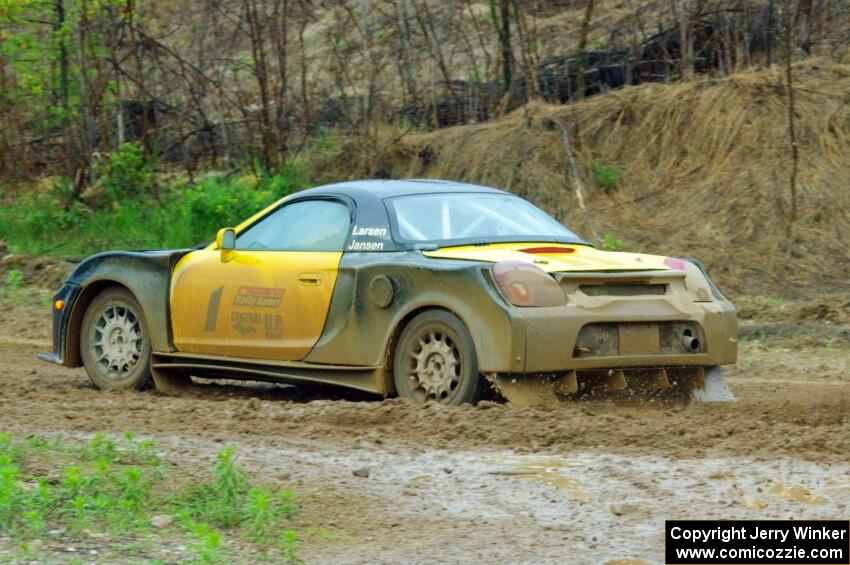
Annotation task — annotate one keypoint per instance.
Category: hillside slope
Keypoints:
(705, 171)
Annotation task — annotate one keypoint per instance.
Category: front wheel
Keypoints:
(435, 361)
(114, 341)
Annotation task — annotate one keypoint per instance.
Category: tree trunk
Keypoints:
(306, 107)
(771, 11)
(791, 18)
(256, 35)
(281, 41)
(134, 19)
(488, 67)
(529, 60)
(64, 63)
(503, 25)
(432, 40)
(4, 126)
(407, 54)
(682, 12)
(82, 174)
(581, 88)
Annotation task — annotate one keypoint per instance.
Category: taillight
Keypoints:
(697, 282)
(523, 284)
(675, 264)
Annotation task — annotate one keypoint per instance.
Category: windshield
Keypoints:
(474, 216)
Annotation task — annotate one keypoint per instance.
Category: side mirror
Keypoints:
(225, 240)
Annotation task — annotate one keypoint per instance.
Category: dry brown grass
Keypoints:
(705, 171)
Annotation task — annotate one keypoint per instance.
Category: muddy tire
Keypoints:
(435, 361)
(114, 342)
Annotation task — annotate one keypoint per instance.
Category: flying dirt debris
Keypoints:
(411, 288)
(684, 384)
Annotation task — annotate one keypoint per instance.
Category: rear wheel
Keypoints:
(114, 341)
(435, 361)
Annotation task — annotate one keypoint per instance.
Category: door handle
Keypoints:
(311, 279)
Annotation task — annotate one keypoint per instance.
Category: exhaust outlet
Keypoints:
(690, 342)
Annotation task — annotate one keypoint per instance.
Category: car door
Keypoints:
(269, 297)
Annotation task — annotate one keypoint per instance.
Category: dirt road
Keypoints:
(591, 482)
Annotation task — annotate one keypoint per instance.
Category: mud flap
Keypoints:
(538, 391)
(714, 388)
(168, 382)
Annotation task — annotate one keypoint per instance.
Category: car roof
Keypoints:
(372, 228)
(366, 192)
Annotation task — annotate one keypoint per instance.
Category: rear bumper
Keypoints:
(552, 334)
(61, 318)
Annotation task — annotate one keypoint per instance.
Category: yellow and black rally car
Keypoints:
(430, 290)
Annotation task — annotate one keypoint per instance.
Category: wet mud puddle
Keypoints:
(569, 505)
(557, 472)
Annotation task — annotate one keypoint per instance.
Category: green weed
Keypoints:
(11, 288)
(289, 544)
(126, 172)
(9, 448)
(38, 441)
(230, 500)
(775, 304)
(14, 289)
(607, 177)
(14, 279)
(217, 502)
(208, 543)
(611, 243)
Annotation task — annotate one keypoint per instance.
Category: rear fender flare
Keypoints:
(361, 332)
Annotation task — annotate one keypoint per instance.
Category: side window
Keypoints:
(311, 225)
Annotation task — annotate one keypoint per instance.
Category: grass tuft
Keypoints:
(114, 487)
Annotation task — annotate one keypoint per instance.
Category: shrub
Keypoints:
(176, 216)
(196, 213)
(611, 243)
(126, 171)
(607, 177)
(14, 278)
(230, 500)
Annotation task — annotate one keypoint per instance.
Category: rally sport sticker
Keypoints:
(249, 321)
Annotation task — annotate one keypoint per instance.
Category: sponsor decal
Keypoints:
(368, 232)
(212, 310)
(366, 245)
(259, 297)
(245, 322)
(371, 232)
(250, 321)
(273, 325)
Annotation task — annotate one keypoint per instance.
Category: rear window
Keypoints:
(472, 216)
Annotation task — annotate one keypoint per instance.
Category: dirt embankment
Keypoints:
(705, 172)
(42, 273)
